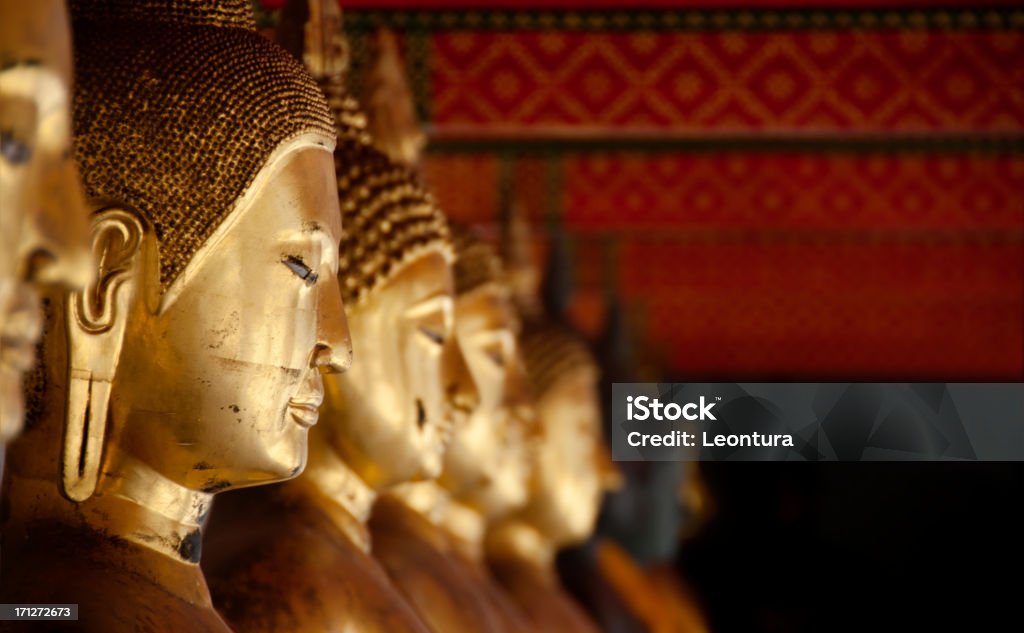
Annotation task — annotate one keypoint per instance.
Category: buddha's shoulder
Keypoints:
(110, 598)
(333, 593)
(296, 545)
(305, 574)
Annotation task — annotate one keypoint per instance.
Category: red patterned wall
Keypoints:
(704, 82)
(886, 308)
(790, 191)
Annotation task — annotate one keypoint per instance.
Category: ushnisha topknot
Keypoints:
(552, 351)
(476, 262)
(388, 219)
(178, 105)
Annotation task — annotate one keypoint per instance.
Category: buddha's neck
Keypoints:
(135, 505)
(141, 506)
(514, 539)
(340, 492)
(467, 527)
(426, 498)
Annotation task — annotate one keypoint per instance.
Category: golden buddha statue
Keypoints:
(206, 153)
(429, 535)
(570, 473)
(384, 422)
(43, 228)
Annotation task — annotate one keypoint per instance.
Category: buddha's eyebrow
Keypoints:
(314, 233)
(433, 302)
(10, 72)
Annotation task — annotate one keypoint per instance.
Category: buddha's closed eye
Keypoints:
(433, 335)
(301, 270)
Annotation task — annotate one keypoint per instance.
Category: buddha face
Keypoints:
(567, 479)
(486, 463)
(43, 228)
(218, 386)
(389, 416)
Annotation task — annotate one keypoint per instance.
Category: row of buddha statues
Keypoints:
(220, 277)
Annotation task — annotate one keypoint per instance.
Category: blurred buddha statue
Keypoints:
(569, 474)
(193, 361)
(43, 221)
(429, 535)
(487, 464)
(623, 575)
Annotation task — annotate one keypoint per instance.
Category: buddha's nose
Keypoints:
(334, 341)
(463, 395)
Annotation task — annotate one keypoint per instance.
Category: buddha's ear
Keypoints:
(96, 320)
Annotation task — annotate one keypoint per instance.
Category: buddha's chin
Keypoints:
(432, 460)
(12, 404)
(287, 458)
(428, 470)
(505, 496)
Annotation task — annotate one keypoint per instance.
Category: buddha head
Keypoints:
(199, 348)
(570, 467)
(43, 221)
(392, 414)
(486, 464)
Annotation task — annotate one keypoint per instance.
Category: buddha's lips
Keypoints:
(303, 414)
(305, 406)
(456, 419)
